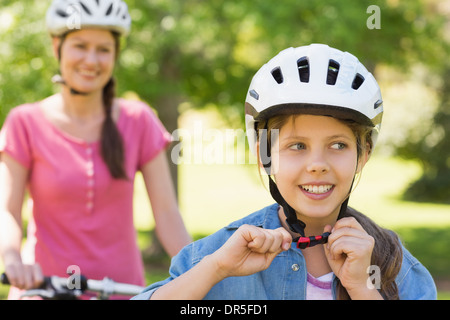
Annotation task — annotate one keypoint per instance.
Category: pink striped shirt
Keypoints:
(319, 288)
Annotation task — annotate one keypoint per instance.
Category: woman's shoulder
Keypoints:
(25, 117)
(24, 111)
(134, 108)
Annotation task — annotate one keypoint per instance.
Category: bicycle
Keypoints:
(60, 288)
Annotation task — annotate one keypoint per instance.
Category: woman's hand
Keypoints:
(250, 249)
(349, 252)
(24, 276)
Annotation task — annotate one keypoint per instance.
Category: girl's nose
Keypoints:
(318, 163)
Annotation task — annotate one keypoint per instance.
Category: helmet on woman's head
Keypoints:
(314, 79)
(69, 15)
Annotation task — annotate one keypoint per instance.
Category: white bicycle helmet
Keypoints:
(314, 79)
(69, 15)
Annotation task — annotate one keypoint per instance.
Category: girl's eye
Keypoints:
(339, 146)
(298, 146)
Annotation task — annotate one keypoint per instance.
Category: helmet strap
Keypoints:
(298, 226)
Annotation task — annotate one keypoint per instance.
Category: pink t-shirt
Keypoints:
(81, 215)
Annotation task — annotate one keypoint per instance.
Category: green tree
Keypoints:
(433, 151)
(196, 53)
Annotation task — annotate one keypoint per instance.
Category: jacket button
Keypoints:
(295, 267)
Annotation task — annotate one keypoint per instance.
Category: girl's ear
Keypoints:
(365, 156)
(56, 43)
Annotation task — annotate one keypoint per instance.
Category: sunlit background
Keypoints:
(193, 60)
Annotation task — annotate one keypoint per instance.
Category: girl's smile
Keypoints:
(317, 191)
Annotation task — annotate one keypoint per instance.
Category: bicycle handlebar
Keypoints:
(60, 288)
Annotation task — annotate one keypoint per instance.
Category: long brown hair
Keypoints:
(387, 253)
(112, 147)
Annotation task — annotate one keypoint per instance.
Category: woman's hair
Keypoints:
(112, 148)
(387, 253)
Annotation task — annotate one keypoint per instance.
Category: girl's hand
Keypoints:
(349, 252)
(250, 249)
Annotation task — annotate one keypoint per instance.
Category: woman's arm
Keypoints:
(170, 227)
(13, 179)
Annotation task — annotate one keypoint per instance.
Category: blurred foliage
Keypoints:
(433, 151)
(433, 254)
(205, 52)
(185, 54)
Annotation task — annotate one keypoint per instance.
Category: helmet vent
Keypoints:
(108, 12)
(333, 71)
(62, 13)
(358, 81)
(303, 69)
(277, 75)
(378, 104)
(85, 9)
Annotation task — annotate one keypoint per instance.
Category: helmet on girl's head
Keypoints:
(314, 79)
(69, 15)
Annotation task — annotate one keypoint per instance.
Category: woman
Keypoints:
(77, 152)
(313, 114)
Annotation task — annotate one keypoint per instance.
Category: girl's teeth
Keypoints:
(317, 189)
(88, 73)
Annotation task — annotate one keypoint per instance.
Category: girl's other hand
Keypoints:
(349, 252)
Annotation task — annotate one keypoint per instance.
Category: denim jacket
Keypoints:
(285, 279)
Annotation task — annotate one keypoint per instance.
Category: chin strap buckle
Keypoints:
(308, 242)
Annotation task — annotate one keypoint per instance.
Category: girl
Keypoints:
(313, 115)
(77, 152)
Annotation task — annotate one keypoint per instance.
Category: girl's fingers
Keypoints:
(349, 238)
(347, 227)
(348, 222)
(269, 241)
(350, 246)
(342, 232)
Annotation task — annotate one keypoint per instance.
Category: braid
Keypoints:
(112, 150)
